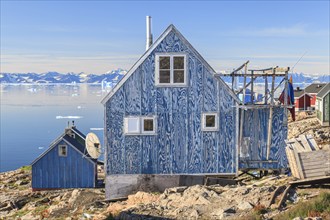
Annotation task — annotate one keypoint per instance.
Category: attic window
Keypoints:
(210, 121)
(62, 150)
(171, 70)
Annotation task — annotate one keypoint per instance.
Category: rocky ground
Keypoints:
(250, 199)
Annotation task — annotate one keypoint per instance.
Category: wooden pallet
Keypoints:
(305, 158)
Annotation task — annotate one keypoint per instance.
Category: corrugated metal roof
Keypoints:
(324, 91)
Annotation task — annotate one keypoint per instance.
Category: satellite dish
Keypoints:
(93, 145)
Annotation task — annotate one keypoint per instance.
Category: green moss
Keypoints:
(20, 213)
(26, 168)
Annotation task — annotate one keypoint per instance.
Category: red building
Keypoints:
(312, 90)
(302, 100)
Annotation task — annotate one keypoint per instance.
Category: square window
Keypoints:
(178, 62)
(178, 76)
(170, 70)
(132, 125)
(164, 76)
(148, 125)
(62, 150)
(210, 121)
(164, 63)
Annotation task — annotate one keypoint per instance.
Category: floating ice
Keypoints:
(40, 148)
(69, 116)
(96, 129)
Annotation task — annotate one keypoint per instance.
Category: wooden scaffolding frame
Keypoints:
(269, 101)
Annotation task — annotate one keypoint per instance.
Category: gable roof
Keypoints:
(324, 91)
(150, 50)
(299, 93)
(70, 141)
(314, 87)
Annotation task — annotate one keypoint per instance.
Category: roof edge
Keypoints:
(137, 64)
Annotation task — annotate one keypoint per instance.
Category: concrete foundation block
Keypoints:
(121, 185)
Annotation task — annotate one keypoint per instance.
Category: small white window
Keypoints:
(62, 150)
(132, 125)
(210, 122)
(171, 70)
(148, 125)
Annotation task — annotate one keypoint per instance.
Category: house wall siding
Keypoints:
(72, 171)
(255, 128)
(180, 145)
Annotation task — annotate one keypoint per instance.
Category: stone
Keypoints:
(244, 206)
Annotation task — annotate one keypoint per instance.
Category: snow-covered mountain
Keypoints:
(297, 78)
(54, 77)
(113, 76)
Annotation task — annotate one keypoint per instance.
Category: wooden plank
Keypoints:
(320, 172)
(314, 175)
(298, 147)
(318, 163)
(312, 142)
(305, 143)
(301, 175)
(292, 162)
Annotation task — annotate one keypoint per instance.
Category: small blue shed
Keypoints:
(65, 164)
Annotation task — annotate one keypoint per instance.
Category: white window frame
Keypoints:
(60, 150)
(171, 84)
(154, 126)
(216, 127)
(126, 131)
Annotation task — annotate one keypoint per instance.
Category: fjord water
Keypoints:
(33, 116)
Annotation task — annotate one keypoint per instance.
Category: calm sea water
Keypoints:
(32, 116)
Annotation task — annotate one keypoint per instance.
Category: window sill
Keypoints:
(171, 85)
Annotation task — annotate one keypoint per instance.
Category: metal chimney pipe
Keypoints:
(149, 35)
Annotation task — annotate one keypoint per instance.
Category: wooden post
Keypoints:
(286, 98)
(266, 88)
(269, 136)
(244, 84)
(242, 117)
(252, 95)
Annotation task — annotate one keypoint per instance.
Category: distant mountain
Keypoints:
(297, 78)
(110, 78)
(54, 77)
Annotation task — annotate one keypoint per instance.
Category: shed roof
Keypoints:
(314, 87)
(150, 50)
(324, 91)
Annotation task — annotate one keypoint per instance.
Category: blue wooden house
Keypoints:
(171, 115)
(65, 164)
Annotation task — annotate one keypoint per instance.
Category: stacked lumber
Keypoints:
(306, 159)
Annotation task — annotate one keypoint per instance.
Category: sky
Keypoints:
(98, 36)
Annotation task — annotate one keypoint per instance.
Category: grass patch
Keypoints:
(317, 207)
(20, 213)
(26, 168)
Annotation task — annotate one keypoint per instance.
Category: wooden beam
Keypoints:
(252, 95)
(239, 68)
(270, 120)
(249, 74)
